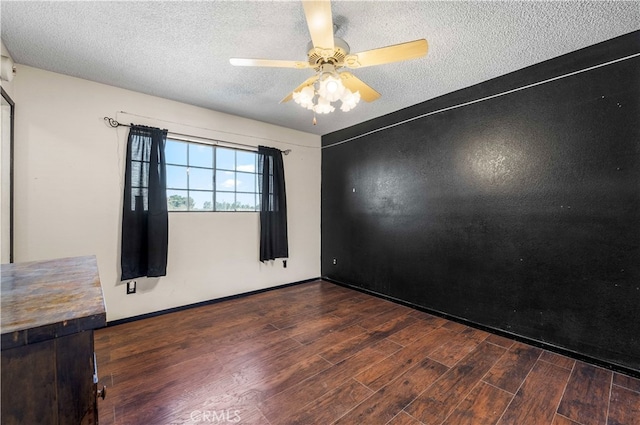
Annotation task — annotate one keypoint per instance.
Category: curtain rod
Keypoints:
(115, 124)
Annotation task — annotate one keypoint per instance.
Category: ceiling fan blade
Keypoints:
(307, 82)
(269, 62)
(354, 84)
(395, 53)
(320, 23)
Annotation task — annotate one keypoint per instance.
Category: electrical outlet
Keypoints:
(335, 261)
(131, 287)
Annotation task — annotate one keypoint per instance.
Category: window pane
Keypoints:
(200, 178)
(246, 161)
(175, 152)
(225, 201)
(192, 171)
(139, 199)
(225, 159)
(246, 201)
(139, 173)
(178, 200)
(225, 180)
(200, 155)
(203, 201)
(245, 182)
(176, 177)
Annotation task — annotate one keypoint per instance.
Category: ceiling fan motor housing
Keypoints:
(318, 56)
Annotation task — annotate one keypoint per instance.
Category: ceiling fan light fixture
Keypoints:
(331, 88)
(323, 106)
(349, 100)
(305, 97)
(332, 85)
(328, 88)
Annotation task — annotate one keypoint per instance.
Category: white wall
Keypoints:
(69, 168)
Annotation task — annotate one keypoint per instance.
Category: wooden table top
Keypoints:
(46, 299)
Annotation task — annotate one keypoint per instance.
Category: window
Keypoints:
(203, 177)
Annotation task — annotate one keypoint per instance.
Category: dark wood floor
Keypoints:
(318, 353)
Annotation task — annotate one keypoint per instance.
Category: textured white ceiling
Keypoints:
(181, 50)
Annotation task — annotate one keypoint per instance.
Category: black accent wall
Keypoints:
(519, 213)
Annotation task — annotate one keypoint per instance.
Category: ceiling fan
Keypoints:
(327, 55)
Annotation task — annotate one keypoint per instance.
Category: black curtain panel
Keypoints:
(273, 205)
(145, 225)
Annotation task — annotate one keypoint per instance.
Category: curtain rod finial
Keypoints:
(286, 152)
(111, 122)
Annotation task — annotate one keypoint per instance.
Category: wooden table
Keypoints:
(49, 311)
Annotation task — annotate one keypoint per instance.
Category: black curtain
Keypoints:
(145, 224)
(273, 205)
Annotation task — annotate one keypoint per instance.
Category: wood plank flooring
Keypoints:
(318, 353)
